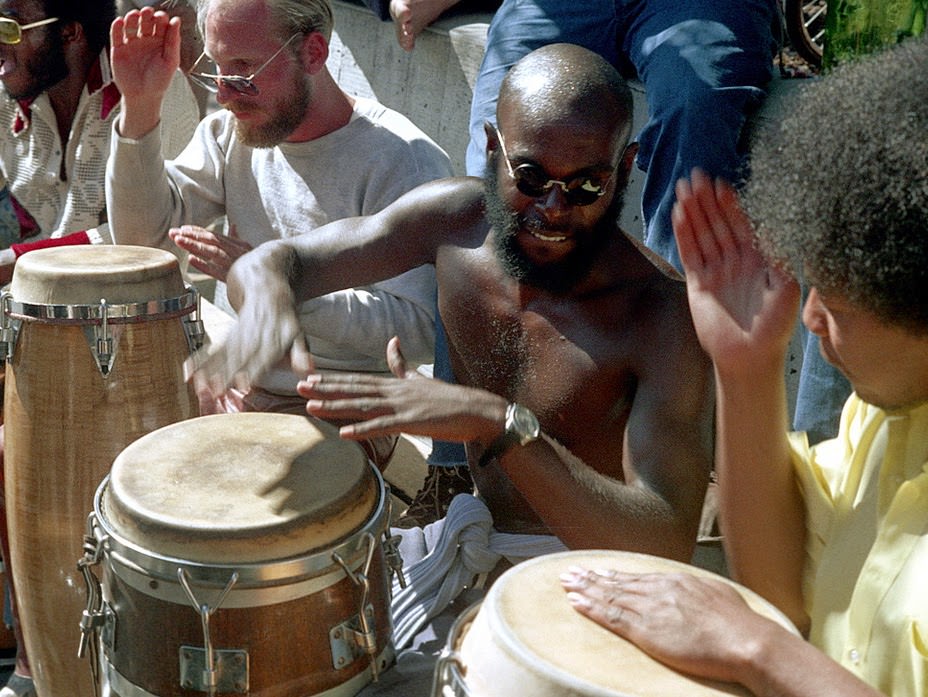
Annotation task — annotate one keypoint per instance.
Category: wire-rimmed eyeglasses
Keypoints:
(11, 31)
(240, 83)
(534, 182)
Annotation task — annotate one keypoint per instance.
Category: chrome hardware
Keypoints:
(361, 628)
(193, 324)
(103, 346)
(392, 556)
(9, 329)
(206, 669)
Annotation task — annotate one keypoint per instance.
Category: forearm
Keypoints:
(588, 510)
(761, 512)
(781, 664)
(358, 323)
(138, 194)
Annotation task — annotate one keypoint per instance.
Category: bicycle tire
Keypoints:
(805, 28)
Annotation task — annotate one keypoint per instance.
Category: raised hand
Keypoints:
(145, 53)
(744, 310)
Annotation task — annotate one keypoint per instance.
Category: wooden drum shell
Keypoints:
(278, 508)
(65, 422)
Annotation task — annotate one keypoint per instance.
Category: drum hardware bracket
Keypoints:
(94, 616)
(391, 553)
(194, 328)
(97, 614)
(206, 669)
(228, 672)
(362, 631)
(102, 343)
(9, 328)
(349, 641)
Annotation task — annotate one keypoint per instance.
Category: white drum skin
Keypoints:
(524, 638)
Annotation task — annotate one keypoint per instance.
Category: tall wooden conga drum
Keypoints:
(96, 342)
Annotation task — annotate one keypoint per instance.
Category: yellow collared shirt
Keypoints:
(866, 575)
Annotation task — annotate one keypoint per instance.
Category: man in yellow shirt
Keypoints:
(836, 535)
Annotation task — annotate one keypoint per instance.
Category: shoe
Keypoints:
(18, 686)
(431, 502)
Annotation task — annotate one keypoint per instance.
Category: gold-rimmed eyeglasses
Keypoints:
(11, 31)
(240, 83)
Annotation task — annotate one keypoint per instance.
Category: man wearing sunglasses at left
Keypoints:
(288, 151)
(57, 107)
(56, 111)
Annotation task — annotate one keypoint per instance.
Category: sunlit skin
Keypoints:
(298, 98)
(884, 362)
(549, 227)
(30, 67)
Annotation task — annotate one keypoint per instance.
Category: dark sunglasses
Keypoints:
(534, 182)
(11, 31)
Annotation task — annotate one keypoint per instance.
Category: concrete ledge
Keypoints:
(432, 85)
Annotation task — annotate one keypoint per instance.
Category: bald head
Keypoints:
(567, 86)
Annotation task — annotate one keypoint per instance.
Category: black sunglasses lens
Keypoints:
(530, 180)
(581, 196)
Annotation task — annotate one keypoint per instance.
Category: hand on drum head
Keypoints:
(410, 403)
(210, 253)
(699, 626)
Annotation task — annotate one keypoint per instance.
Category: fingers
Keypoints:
(210, 253)
(144, 23)
(601, 596)
(395, 358)
(301, 359)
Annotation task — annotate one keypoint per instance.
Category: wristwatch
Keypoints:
(521, 429)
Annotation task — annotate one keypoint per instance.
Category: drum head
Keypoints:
(239, 488)
(526, 637)
(85, 274)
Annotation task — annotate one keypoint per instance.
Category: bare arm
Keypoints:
(703, 627)
(267, 284)
(744, 313)
(657, 511)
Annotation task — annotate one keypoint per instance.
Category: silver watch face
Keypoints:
(523, 424)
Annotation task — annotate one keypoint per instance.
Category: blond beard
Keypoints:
(288, 114)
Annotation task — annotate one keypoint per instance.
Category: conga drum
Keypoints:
(95, 341)
(524, 638)
(243, 553)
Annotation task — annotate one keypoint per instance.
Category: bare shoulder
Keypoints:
(449, 211)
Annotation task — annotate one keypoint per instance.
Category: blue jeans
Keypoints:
(704, 65)
(444, 453)
(820, 394)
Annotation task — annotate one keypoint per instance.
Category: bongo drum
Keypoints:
(242, 554)
(95, 341)
(524, 638)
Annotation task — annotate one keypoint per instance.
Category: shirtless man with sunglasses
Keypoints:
(548, 306)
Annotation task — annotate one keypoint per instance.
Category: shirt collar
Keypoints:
(99, 79)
